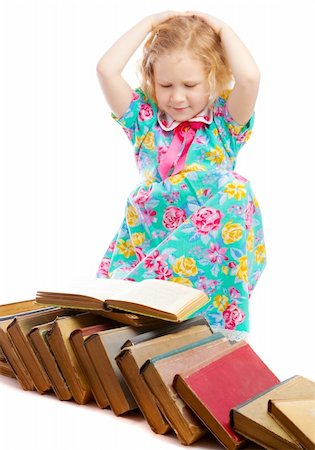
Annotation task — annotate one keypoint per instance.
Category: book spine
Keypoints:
(57, 345)
(264, 392)
(15, 362)
(27, 355)
(48, 361)
(106, 375)
(98, 392)
(141, 392)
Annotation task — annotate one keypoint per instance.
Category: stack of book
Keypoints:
(146, 345)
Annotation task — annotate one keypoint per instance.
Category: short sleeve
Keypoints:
(232, 134)
(139, 118)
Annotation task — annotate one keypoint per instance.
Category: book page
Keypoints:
(161, 295)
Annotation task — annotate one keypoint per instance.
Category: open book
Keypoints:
(160, 299)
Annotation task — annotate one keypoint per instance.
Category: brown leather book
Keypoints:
(58, 339)
(18, 330)
(37, 338)
(13, 359)
(7, 314)
(6, 370)
(102, 348)
(77, 339)
(130, 360)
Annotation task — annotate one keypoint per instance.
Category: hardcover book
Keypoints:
(59, 341)
(159, 373)
(77, 339)
(252, 420)
(6, 370)
(102, 348)
(297, 417)
(159, 299)
(13, 359)
(213, 390)
(37, 338)
(131, 358)
(18, 330)
(8, 313)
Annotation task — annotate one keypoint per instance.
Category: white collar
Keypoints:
(167, 123)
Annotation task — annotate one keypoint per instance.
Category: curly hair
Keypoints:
(191, 33)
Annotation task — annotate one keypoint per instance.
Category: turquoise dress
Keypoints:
(201, 227)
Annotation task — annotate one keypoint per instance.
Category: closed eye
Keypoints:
(186, 85)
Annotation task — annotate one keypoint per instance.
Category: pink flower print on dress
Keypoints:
(163, 272)
(135, 96)
(234, 293)
(154, 259)
(216, 254)
(162, 150)
(149, 216)
(112, 246)
(233, 316)
(142, 196)
(239, 177)
(249, 211)
(206, 220)
(128, 133)
(139, 253)
(218, 112)
(173, 217)
(146, 112)
(240, 138)
(171, 198)
(103, 267)
(149, 262)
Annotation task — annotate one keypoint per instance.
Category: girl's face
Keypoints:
(181, 85)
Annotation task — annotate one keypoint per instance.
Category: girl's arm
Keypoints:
(242, 99)
(117, 91)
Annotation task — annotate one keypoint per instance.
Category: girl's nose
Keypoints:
(178, 96)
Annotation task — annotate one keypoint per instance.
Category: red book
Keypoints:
(212, 390)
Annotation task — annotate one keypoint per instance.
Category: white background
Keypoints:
(66, 169)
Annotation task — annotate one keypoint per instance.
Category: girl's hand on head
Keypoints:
(214, 22)
(158, 18)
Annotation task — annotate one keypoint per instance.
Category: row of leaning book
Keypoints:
(144, 345)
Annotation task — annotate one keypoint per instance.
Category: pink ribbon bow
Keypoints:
(176, 154)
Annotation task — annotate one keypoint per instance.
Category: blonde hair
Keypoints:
(190, 33)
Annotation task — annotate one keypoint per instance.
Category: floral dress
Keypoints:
(201, 227)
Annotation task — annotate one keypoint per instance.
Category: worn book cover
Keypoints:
(159, 373)
(59, 341)
(214, 389)
(8, 313)
(158, 299)
(37, 338)
(77, 339)
(102, 348)
(131, 359)
(251, 418)
(18, 330)
(297, 417)
(6, 370)
(166, 328)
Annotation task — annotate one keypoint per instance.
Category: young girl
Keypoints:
(192, 219)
